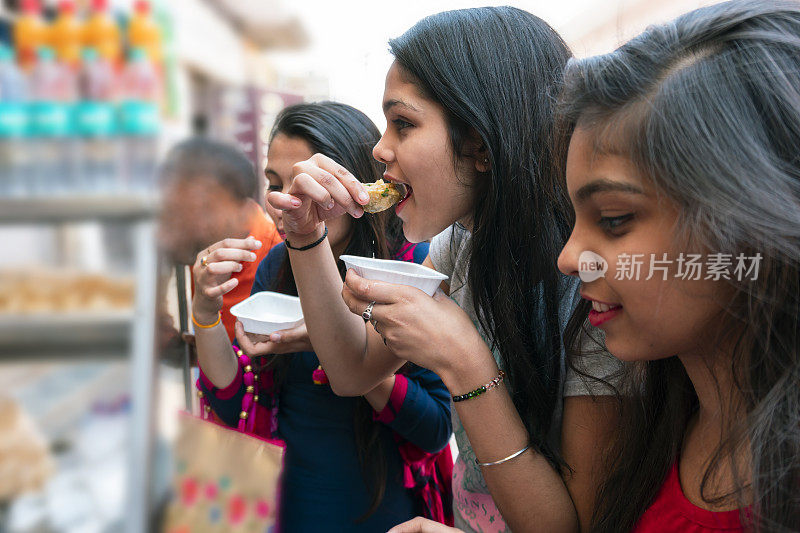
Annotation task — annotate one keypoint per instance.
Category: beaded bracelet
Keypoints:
(480, 390)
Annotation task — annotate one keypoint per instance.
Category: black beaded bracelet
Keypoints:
(308, 246)
(480, 390)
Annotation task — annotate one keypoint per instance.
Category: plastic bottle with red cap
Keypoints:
(144, 33)
(139, 122)
(96, 125)
(102, 33)
(54, 90)
(66, 34)
(30, 33)
(15, 153)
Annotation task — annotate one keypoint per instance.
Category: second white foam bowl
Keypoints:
(268, 312)
(399, 272)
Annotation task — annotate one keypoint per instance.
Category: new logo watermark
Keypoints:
(716, 266)
(591, 266)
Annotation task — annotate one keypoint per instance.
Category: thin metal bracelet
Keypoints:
(501, 461)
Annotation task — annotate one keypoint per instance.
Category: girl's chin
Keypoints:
(410, 234)
(621, 347)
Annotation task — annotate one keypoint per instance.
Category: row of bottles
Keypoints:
(68, 34)
(84, 130)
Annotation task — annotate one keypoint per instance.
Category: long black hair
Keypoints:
(708, 108)
(347, 136)
(496, 71)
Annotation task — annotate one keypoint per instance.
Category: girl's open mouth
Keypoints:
(602, 313)
(406, 191)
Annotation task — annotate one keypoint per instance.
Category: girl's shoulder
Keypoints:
(449, 250)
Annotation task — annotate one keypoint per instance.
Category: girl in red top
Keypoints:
(684, 174)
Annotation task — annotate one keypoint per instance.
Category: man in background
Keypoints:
(210, 192)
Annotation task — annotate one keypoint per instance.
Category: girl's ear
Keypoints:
(477, 151)
(482, 163)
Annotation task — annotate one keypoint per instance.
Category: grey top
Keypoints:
(473, 508)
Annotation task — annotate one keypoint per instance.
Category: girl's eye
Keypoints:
(275, 188)
(612, 224)
(401, 124)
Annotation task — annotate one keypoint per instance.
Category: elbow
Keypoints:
(347, 388)
(441, 443)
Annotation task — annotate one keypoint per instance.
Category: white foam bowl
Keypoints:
(399, 272)
(267, 312)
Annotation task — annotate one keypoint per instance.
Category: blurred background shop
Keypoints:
(93, 93)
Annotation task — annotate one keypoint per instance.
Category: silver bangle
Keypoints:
(501, 461)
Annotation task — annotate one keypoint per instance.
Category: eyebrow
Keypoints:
(388, 104)
(605, 185)
(270, 171)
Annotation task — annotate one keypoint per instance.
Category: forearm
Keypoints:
(214, 353)
(528, 491)
(339, 337)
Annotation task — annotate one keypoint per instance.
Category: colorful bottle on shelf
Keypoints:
(15, 154)
(144, 33)
(102, 33)
(54, 91)
(139, 123)
(95, 120)
(66, 34)
(30, 33)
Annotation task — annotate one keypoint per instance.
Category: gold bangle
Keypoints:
(199, 325)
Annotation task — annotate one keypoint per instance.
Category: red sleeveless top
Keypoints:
(672, 511)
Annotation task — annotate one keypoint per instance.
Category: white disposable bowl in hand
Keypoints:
(268, 312)
(399, 272)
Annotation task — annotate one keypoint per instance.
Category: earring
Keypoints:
(485, 160)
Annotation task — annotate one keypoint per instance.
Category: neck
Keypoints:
(467, 223)
(713, 382)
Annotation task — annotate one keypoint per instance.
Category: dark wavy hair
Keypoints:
(708, 108)
(347, 136)
(496, 72)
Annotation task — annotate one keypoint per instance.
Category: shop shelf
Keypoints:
(76, 208)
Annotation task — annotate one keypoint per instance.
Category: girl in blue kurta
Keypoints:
(351, 464)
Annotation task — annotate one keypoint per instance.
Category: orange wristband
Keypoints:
(199, 325)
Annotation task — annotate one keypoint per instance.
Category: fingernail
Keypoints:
(238, 268)
(331, 204)
(257, 243)
(296, 202)
(275, 337)
(364, 197)
(358, 213)
(252, 257)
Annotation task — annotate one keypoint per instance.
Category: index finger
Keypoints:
(249, 243)
(351, 183)
(371, 290)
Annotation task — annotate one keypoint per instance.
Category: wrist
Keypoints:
(203, 314)
(299, 240)
(472, 369)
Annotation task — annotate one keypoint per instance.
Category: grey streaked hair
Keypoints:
(708, 108)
